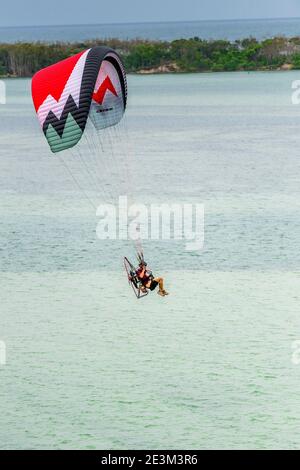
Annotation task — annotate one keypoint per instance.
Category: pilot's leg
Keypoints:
(161, 290)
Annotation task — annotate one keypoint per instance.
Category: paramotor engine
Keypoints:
(138, 289)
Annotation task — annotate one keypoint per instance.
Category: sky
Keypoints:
(39, 12)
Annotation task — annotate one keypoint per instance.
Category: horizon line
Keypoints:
(153, 22)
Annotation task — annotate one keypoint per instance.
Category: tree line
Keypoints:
(181, 55)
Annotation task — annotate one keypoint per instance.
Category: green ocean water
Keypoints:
(90, 367)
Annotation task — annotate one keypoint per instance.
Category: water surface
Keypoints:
(210, 366)
(213, 29)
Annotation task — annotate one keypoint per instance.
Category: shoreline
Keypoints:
(150, 73)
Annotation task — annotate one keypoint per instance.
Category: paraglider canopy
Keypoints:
(80, 103)
(89, 85)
